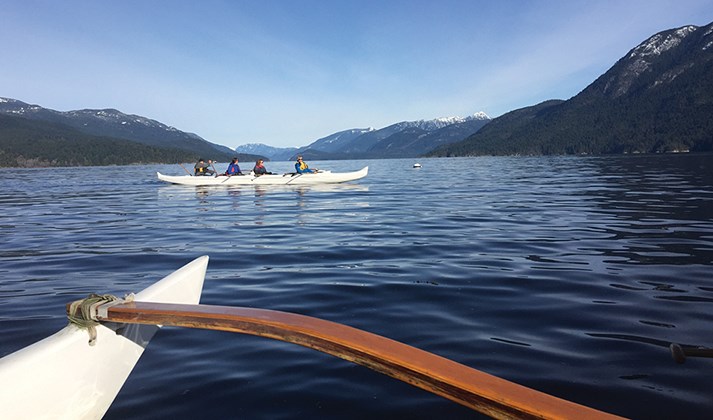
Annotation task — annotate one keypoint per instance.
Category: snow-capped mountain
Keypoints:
(640, 60)
(403, 139)
(270, 152)
(658, 98)
(327, 144)
(414, 141)
(336, 141)
(438, 123)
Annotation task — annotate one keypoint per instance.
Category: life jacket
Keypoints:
(303, 166)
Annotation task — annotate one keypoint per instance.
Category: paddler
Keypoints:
(302, 168)
(233, 168)
(202, 168)
(259, 168)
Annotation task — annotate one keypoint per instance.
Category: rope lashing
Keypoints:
(83, 313)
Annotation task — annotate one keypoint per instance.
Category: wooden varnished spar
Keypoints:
(480, 391)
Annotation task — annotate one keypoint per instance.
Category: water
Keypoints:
(570, 275)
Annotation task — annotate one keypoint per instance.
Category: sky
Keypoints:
(288, 72)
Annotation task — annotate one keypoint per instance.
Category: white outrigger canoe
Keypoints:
(322, 177)
(63, 377)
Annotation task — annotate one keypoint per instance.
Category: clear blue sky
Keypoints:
(287, 72)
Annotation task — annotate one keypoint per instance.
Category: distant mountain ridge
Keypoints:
(335, 142)
(658, 98)
(270, 152)
(403, 139)
(116, 124)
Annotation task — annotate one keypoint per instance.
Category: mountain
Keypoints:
(115, 124)
(270, 152)
(32, 143)
(417, 141)
(657, 98)
(323, 147)
(337, 141)
(403, 139)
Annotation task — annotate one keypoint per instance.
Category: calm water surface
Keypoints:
(570, 275)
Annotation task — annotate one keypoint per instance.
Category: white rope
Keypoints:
(85, 313)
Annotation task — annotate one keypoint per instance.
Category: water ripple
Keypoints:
(569, 275)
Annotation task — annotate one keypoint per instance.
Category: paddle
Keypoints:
(295, 176)
(478, 390)
(214, 171)
(679, 353)
(185, 169)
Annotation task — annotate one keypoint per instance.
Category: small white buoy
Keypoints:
(416, 165)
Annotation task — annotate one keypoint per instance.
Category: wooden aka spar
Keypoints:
(480, 391)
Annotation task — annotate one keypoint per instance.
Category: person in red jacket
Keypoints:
(260, 169)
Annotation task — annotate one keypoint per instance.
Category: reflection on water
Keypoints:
(567, 274)
(251, 199)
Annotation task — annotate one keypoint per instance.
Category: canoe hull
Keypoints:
(286, 179)
(62, 377)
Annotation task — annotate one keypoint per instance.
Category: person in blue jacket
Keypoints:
(233, 168)
(302, 168)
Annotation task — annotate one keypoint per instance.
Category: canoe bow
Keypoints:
(63, 377)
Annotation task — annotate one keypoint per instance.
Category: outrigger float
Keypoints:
(321, 177)
(64, 377)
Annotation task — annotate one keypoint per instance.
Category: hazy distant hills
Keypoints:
(656, 99)
(403, 139)
(25, 124)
